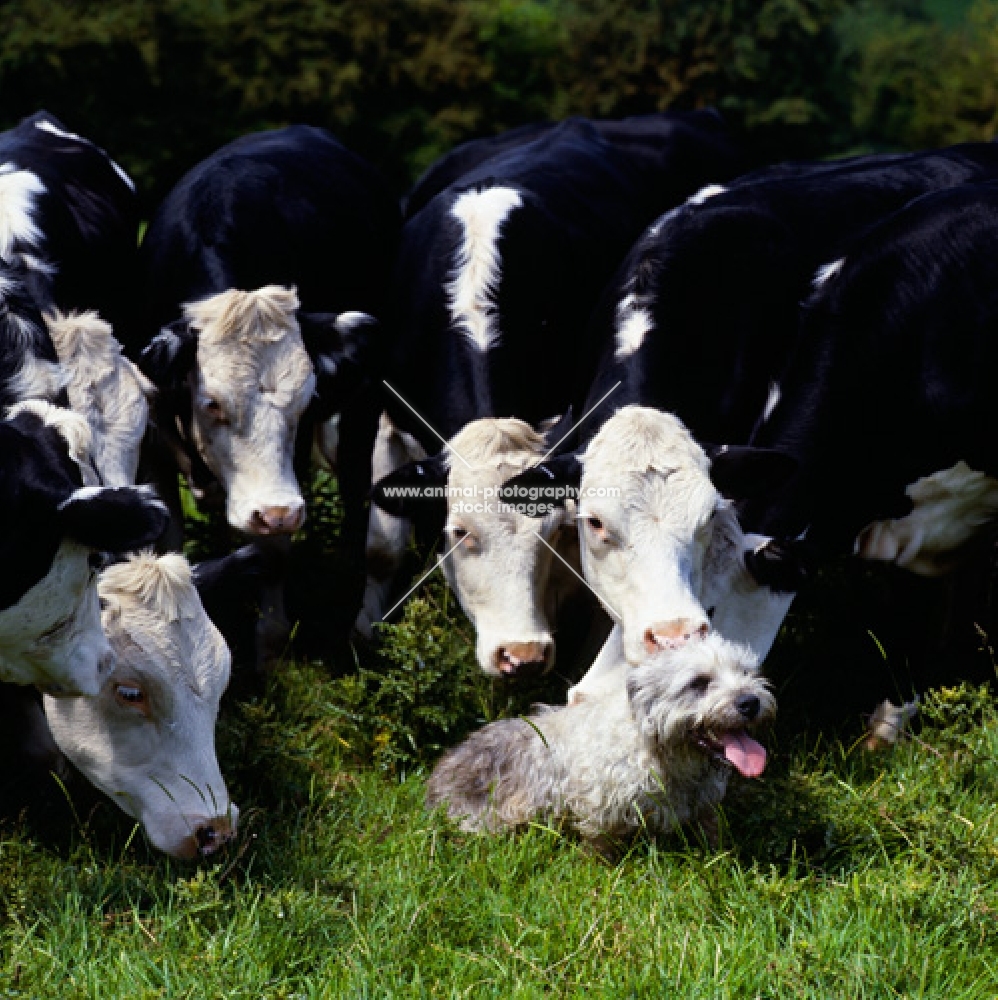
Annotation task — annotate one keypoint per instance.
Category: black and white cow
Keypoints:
(68, 225)
(684, 146)
(50, 626)
(699, 322)
(263, 268)
(496, 278)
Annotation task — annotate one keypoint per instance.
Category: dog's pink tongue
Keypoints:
(747, 756)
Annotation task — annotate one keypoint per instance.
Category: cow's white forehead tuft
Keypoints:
(161, 583)
(483, 441)
(641, 439)
(265, 314)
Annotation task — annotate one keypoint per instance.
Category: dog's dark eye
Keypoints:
(700, 683)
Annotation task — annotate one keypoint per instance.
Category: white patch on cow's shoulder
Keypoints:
(46, 126)
(708, 191)
(772, 400)
(826, 272)
(471, 292)
(952, 508)
(633, 325)
(19, 190)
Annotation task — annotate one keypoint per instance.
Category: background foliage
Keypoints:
(161, 84)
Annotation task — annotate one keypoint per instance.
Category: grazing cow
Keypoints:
(269, 226)
(105, 388)
(147, 737)
(663, 318)
(68, 224)
(496, 278)
(50, 631)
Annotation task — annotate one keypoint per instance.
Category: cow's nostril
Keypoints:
(206, 837)
(673, 634)
(277, 520)
(748, 706)
(520, 659)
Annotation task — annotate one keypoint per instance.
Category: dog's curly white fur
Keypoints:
(651, 747)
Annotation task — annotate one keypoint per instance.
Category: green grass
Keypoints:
(839, 874)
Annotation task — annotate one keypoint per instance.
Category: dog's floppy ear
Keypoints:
(113, 518)
(403, 493)
(170, 355)
(741, 472)
(544, 486)
(339, 345)
(783, 565)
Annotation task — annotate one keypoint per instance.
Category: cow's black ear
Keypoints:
(170, 355)
(783, 565)
(339, 345)
(113, 518)
(544, 486)
(741, 472)
(557, 431)
(412, 489)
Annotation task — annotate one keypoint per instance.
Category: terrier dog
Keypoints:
(649, 746)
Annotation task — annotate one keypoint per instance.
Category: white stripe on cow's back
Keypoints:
(47, 126)
(19, 190)
(471, 292)
(708, 191)
(826, 272)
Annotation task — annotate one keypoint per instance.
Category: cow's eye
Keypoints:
(463, 537)
(131, 696)
(710, 612)
(214, 409)
(597, 527)
(700, 683)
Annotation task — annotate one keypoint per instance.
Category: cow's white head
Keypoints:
(147, 739)
(649, 496)
(251, 383)
(496, 559)
(237, 373)
(50, 626)
(105, 388)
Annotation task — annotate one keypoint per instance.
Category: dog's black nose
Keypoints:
(748, 706)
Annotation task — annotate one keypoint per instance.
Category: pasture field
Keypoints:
(839, 873)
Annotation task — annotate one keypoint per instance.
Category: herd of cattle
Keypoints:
(583, 357)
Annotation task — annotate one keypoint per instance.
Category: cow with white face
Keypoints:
(147, 737)
(264, 267)
(497, 561)
(650, 502)
(50, 630)
(106, 389)
(497, 274)
(241, 356)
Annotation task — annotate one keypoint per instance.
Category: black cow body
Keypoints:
(682, 146)
(720, 282)
(67, 239)
(585, 197)
(893, 372)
